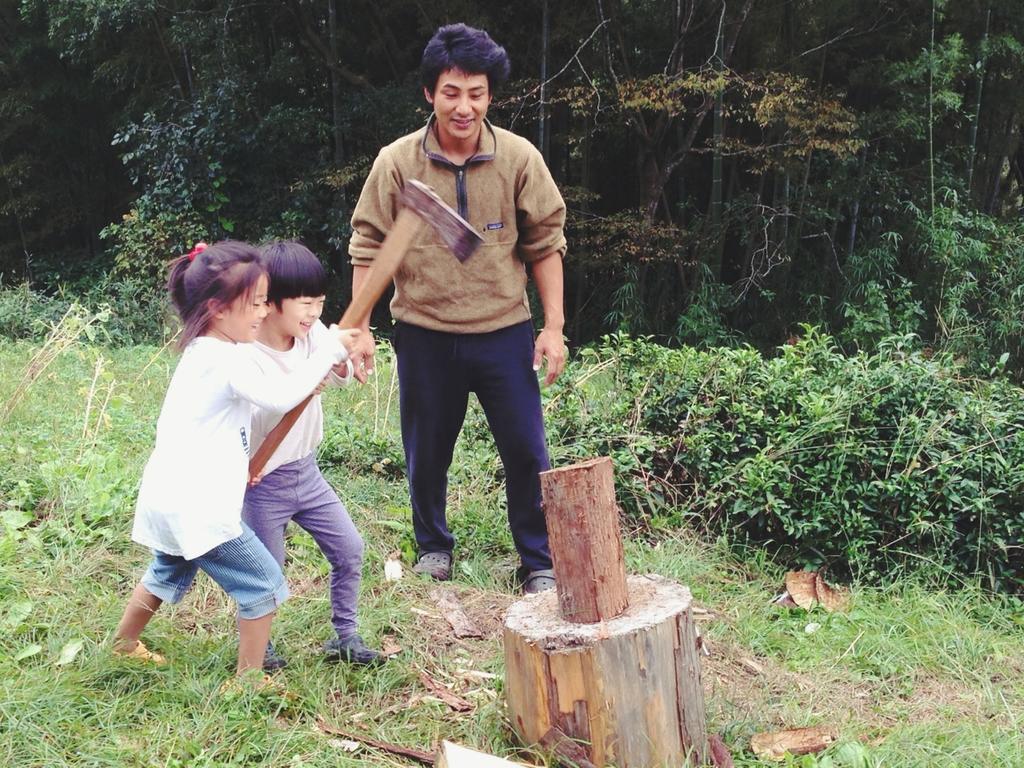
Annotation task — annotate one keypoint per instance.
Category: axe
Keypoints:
(419, 204)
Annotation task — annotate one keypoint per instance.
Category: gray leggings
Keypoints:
(298, 492)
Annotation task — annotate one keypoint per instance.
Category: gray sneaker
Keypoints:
(539, 581)
(272, 660)
(436, 565)
(353, 650)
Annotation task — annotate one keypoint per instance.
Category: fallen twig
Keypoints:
(427, 758)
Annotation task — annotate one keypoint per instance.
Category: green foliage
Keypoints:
(144, 243)
(974, 267)
(866, 463)
(132, 129)
(880, 302)
(26, 314)
(133, 311)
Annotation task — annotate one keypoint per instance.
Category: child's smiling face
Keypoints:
(240, 321)
(296, 316)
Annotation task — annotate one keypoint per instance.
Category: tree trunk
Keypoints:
(339, 146)
(976, 110)
(542, 114)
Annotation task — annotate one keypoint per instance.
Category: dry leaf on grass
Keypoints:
(390, 647)
(831, 599)
(751, 666)
(805, 588)
(795, 741)
(800, 586)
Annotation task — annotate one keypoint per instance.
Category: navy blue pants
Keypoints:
(436, 373)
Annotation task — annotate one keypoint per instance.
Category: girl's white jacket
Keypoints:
(190, 499)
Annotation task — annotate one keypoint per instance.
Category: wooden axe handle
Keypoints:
(385, 264)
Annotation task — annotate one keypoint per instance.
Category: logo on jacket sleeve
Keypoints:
(245, 439)
(494, 225)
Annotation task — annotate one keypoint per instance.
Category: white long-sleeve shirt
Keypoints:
(190, 499)
(305, 435)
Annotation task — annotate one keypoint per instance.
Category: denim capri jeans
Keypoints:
(241, 566)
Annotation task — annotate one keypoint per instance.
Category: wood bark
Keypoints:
(586, 546)
(628, 690)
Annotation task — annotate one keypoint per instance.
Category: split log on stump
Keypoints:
(629, 688)
(586, 546)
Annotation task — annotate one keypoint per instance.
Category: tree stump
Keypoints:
(629, 688)
(625, 679)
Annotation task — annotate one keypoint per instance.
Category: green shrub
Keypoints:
(133, 311)
(25, 314)
(864, 463)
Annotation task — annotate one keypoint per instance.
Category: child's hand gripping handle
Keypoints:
(419, 204)
(377, 280)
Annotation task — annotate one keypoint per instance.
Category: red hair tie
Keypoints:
(200, 247)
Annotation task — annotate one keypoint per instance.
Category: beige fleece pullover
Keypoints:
(505, 191)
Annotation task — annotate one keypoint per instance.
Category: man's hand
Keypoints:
(361, 355)
(550, 346)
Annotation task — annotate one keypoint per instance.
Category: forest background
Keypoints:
(733, 170)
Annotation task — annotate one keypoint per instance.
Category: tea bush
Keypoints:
(863, 463)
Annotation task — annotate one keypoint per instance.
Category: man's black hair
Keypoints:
(466, 49)
(294, 271)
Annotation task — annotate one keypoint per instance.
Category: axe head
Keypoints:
(457, 233)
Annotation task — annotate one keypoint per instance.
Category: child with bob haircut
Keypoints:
(190, 499)
(292, 488)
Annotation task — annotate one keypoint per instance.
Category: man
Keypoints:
(464, 328)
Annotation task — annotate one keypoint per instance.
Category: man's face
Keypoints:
(460, 103)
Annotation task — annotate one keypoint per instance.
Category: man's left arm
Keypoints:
(550, 346)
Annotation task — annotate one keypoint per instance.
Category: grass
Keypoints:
(893, 674)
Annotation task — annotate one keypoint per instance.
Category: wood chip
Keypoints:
(455, 703)
(795, 741)
(448, 602)
(751, 666)
(451, 755)
(808, 588)
(721, 757)
(566, 749)
(427, 614)
(390, 647)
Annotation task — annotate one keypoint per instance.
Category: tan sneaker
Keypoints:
(141, 653)
(262, 684)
